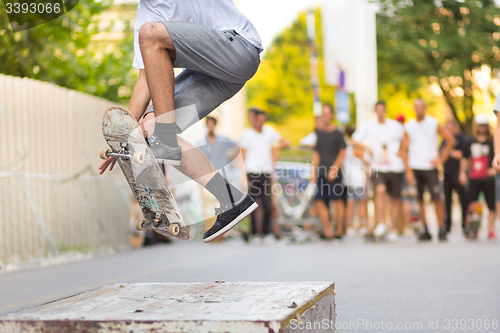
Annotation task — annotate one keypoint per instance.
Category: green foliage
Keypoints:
(64, 52)
(282, 85)
(441, 41)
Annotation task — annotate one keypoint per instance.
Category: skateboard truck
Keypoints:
(160, 221)
(138, 157)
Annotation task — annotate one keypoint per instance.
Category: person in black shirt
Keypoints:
(328, 156)
(451, 172)
(480, 153)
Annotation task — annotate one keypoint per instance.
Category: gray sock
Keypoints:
(223, 191)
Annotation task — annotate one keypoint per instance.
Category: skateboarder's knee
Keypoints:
(153, 32)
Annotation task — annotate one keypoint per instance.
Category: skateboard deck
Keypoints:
(146, 179)
(473, 220)
(415, 218)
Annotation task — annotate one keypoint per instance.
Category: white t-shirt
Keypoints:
(218, 14)
(496, 107)
(384, 141)
(423, 146)
(258, 157)
(309, 140)
(353, 169)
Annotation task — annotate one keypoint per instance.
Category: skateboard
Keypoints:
(415, 218)
(369, 237)
(146, 179)
(473, 220)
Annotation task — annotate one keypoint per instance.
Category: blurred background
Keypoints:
(57, 79)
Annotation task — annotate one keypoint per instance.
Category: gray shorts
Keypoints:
(216, 63)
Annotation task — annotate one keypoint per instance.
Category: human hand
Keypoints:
(456, 154)
(435, 162)
(496, 163)
(104, 165)
(332, 175)
(462, 178)
(410, 177)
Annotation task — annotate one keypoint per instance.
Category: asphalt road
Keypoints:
(431, 287)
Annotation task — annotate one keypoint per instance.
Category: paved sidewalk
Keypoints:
(404, 283)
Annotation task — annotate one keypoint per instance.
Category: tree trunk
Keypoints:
(468, 101)
(452, 107)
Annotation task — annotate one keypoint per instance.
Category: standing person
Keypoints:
(478, 158)
(496, 161)
(355, 176)
(328, 156)
(257, 148)
(405, 198)
(496, 110)
(219, 149)
(423, 158)
(310, 140)
(383, 138)
(451, 172)
(219, 48)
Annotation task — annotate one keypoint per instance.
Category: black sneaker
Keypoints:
(442, 235)
(425, 236)
(163, 153)
(228, 217)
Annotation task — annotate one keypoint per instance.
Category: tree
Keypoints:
(63, 52)
(444, 42)
(282, 85)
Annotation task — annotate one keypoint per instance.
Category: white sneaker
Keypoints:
(362, 231)
(392, 237)
(380, 230)
(268, 240)
(350, 232)
(256, 240)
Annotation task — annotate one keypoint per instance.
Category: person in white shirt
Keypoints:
(257, 145)
(219, 48)
(383, 138)
(423, 158)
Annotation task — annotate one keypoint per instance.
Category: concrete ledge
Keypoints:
(183, 307)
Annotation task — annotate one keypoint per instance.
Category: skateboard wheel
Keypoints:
(174, 229)
(138, 157)
(139, 225)
(103, 153)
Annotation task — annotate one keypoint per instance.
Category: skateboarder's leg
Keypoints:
(217, 63)
(158, 51)
(140, 96)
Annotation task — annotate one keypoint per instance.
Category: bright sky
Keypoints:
(270, 17)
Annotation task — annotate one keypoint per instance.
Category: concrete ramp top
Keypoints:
(182, 307)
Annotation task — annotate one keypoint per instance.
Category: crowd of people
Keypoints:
(383, 160)
(390, 157)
